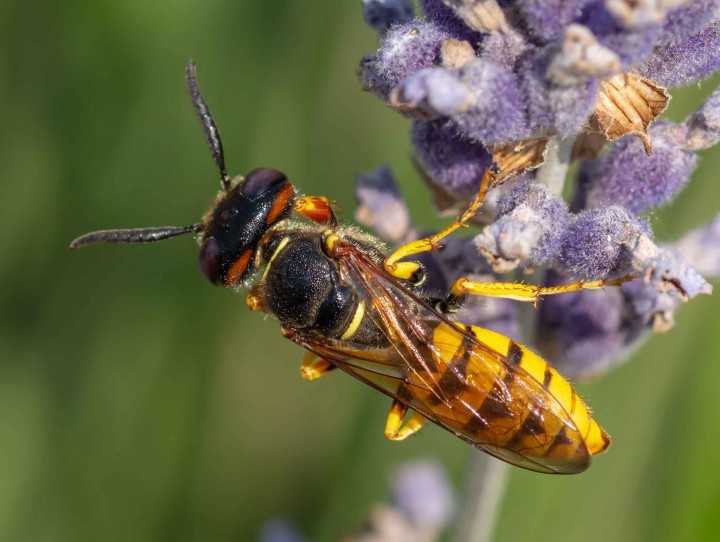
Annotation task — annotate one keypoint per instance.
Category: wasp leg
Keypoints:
(316, 208)
(410, 270)
(312, 370)
(394, 427)
(523, 292)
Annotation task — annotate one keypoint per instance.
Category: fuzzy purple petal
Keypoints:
(687, 20)
(453, 161)
(409, 48)
(686, 61)
(627, 176)
(669, 274)
(528, 229)
(546, 19)
(380, 205)
(445, 18)
(496, 115)
(505, 48)
(436, 91)
(603, 243)
(633, 45)
(554, 109)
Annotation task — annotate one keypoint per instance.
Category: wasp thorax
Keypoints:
(239, 221)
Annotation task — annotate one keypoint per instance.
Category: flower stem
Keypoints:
(553, 172)
(485, 484)
(486, 477)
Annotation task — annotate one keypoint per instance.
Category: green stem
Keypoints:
(485, 484)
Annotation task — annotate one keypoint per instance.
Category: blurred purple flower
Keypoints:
(422, 504)
(381, 14)
(422, 492)
(280, 530)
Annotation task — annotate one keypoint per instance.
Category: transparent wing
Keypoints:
(442, 370)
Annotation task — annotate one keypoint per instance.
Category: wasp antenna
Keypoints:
(212, 135)
(133, 236)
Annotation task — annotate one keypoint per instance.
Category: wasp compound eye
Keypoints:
(209, 261)
(259, 181)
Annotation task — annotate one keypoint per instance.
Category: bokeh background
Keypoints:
(137, 402)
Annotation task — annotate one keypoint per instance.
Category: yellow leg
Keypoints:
(312, 370)
(406, 270)
(394, 427)
(525, 292)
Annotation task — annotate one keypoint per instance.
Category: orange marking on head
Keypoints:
(280, 203)
(238, 268)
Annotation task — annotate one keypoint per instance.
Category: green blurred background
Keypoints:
(139, 403)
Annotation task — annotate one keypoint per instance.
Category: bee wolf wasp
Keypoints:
(338, 294)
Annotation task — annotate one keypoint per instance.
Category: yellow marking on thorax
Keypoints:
(355, 323)
(272, 258)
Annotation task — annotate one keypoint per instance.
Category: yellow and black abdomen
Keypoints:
(504, 398)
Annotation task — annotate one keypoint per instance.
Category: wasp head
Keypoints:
(238, 221)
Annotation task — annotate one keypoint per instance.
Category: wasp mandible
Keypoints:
(338, 293)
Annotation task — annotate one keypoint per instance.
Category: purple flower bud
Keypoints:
(496, 115)
(528, 229)
(546, 19)
(381, 206)
(640, 13)
(456, 163)
(422, 492)
(631, 43)
(581, 58)
(409, 48)
(554, 109)
(671, 275)
(602, 243)
(627, 176)
(444, 17)
(436, 91)
(381, 14)
(704, 124)
(688, 60)
(584, 334)
(371, 79)
(701, 248)
(505, 48)
(280, 530)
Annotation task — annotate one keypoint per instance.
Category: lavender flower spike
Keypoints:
(511, 81)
